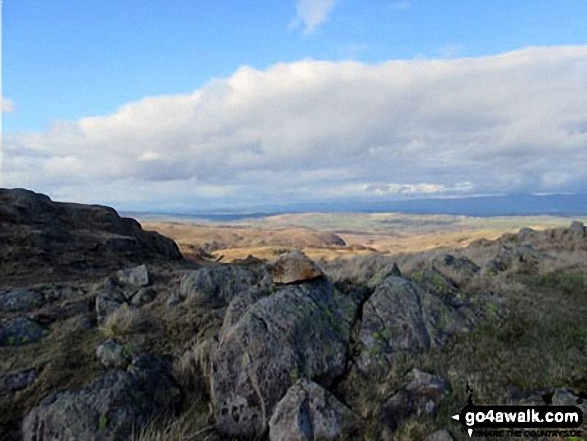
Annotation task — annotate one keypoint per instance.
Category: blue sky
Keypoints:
(80, 77)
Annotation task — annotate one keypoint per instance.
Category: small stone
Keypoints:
(137, 276)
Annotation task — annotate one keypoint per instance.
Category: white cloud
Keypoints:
(7, 105)
(317, 130)
(312, 13)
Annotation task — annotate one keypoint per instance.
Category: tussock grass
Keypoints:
(125, 321)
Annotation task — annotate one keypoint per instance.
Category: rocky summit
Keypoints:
(107, 333)
(43, 239)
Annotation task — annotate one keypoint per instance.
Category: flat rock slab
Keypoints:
(20, 300)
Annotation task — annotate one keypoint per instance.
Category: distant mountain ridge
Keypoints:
(480, 206)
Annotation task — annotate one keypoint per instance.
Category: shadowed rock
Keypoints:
(20, 300)
(42, 238)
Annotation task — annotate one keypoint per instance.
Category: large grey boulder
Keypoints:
(221, 283)
(299, 331)
(20, 300)
(21, 331)
(109, 409)
(309, 412)
(401, 317)
(293, 267)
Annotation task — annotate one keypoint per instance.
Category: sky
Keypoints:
(200, 105)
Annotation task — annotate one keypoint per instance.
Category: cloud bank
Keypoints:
(316, 130)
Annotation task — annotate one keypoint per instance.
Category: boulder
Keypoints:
(239, 305)
(221, 283)
(13, 381)
(401, 317)
(137, 276)
(309, 412)
(112, 354)
(299, 331)
(20, 300)
(294, 267)
(20, 331)
(108, 409)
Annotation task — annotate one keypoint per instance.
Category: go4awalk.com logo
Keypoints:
(521, 421)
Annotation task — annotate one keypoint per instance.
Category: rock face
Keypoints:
(294, 267)
(401, 317)
(309, 412)
(221, 283)
(108, 409)
(299, 331)
(42, 238)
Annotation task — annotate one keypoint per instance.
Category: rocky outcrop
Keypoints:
(300, 331)
(219, 284)
(43, 239)
(110, 408)
(402, 317)
(309, 412)
(294, 267)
